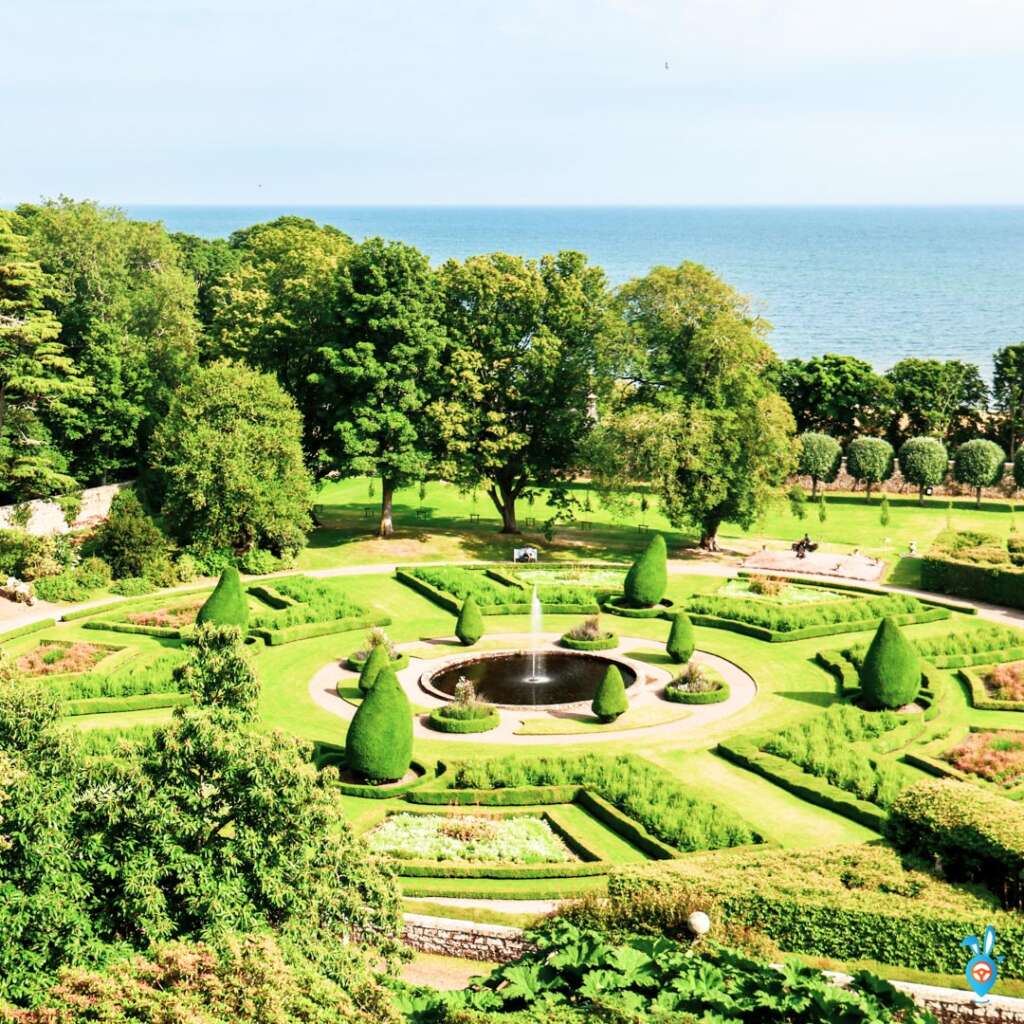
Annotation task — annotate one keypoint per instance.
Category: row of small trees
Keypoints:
(923, 461)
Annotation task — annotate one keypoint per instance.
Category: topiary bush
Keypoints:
(978, 464)
(680, 643)
(924, 462)
(820, 458)
(610, 700)
(373, 666)
(647, 578)
(227, 605)
(870, 460)
(470, 625)
(891, 674)
(378, 746)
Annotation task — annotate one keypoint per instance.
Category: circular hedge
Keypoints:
(613, 605)
(439, 721)
(378, 792)
(356, 664)
(603, 643)
(678, 695)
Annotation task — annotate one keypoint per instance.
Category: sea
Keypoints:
(880, 282)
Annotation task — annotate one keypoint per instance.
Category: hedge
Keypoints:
(565, 834)
(136, 702)
(114, 626)
(332, 756)
(32, 627)
(397, 664)
(980, 697)
(847, 903)
(448, 869)
(1003, 585)
(137, 604)
(268, 595)
(625, 826)
(717, 696)
(792, 777)
(659, 611)
(227, 605)
(462, 890)
(890, 676)
(290, 634)
(428, 590)
(513, 796)
(437, 720)
(606, 643)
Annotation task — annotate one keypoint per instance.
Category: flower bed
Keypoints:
(59, 657)
(698, 684)
(997, 757)
(443, 720)
(589, 636)
(173, 616)
(778, 589)
(494, 594)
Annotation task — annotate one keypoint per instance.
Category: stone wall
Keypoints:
(47, 517)
(897, 485)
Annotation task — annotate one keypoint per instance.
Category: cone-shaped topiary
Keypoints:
(373, 666)
(470, 626)
(379, 742)
(227, 605)
(891, 674)
(646, 580)
(680, 638)
(610, 700)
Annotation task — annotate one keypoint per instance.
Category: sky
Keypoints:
(513, 101)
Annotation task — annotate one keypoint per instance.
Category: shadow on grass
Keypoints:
(820, 698)
(651, 657)
(906, 573)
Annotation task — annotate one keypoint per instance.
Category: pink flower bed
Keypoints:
(995, 756)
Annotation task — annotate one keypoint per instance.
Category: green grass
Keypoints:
(574, 724)
(595, 835)
(479, 915)
(504, 888)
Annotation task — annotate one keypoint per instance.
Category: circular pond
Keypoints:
(525, 679)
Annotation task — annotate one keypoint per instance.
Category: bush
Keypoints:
(647, 578)
(954, 650)
(870, 460)
(680, 642)
(819, 458)
(185, 568)
(450, 586)
(65, 586)
(1018, 467)
(227, 605)
(891, 674)
(978, 464)
(27, 556)
(610, 700)
(258, 562)
(302, 600)
(373, 666)
(130, 541)
(977, 835)
(697, 684)
(924, 462)
(379, 742)
(132, 586)
(482, 719)
(470, 625)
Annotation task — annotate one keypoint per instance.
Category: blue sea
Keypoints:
(881, 283)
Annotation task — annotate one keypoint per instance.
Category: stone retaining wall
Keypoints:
(47, 517)
(897, 485)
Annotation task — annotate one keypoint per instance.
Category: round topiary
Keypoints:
(647, 578)
(470, 625)
(610, 701)
(227, 605)
(891, 673)
(924, 462)
(979, 464)
(379, 742)
(373, 666)
(680, 638)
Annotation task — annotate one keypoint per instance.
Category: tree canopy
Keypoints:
(946, 399)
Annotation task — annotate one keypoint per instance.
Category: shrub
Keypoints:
(978, 464)
(227, 605)
(445, 721)
(258, 562)
(26, 556)
(610, 700)
(820, 457)
(373, 666)
(976, 835)
(130, 541)
(768, 586)
(302, 600)
(994, 756)
(185, 568)
(924, 462)
(974, 646)
(697, 684)
(132, 586)
(891, 674)
(493, 596)
(1018, 467)
(869, 459)
(378, 746)
(1006, 682)
(588, 629)
(94, 573)
(470, 625)
(647, 578)
(680, 643)
(65, 586)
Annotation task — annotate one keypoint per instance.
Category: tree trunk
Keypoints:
(387, 494)
(920, 495)
(978, 503)
(869, 491)
(709, 534)
(814, 487)
(504, 496)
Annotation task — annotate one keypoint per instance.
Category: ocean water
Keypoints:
(881, 283)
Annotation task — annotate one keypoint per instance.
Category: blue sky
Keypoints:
(514, 101)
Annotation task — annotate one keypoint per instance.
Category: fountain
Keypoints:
(536, 628)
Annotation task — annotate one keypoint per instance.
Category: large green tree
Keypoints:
(526, 337)
(946, 399)
(1008, 390)
(36, 373)
(697, 414)
(228, 461)
(380, 368)
(276, 309)
(127, 311)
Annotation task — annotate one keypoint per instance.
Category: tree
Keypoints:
(526, 338)
(1018, 468)
(210, 261)
(819, 458)
(227, 605)
(924, 462)
(36, 374)
(218, 673)
(277, 308)
(376, 663)
(884, 513)
(647, 578)
(610, 700)
(130, 542)
(127, 311)
(228, 458)
(696, 412)
(890, 676)
(1008, 390)
(797, 501)
(470, 625)
(680, 644)
(946, 399)
(835, 394)
(822, 508)
(979, 464)
(869, 459)
(378, 746)
(381, 368)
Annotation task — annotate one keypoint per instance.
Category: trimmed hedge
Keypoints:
(891, 674)
(138, 702)
(980, 697)
(625, 826)
(437, 720)
(372, 668)
(680, 643)
(227, 605)
(717, 696)
(378, 745)
(428, 590)
(114, 626)
(513, 796)
(1003, 585)
(355, 664)
(32, 627)
(612, 605)
(447, 869)
(977, 646)
(463, 890)
(647, 578)
(606, 643)
(290, 634)
(469, 626)
(610, 699)
(847, 903)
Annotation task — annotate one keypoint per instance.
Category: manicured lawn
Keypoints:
(504, 888)
(577, 723)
